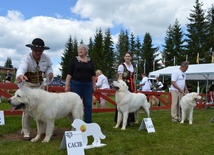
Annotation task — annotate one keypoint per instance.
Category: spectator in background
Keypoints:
(178, 89)
(8, 77)
(211, 95)
(81, 79)
(145, 83)
(126, 73)
(158, 85)
(102, 83)
(33, 68)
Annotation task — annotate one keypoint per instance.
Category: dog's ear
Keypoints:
(126, 87)
(195, 96)
(31, 101)
(123, 86)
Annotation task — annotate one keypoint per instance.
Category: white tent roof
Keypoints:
(194, 72)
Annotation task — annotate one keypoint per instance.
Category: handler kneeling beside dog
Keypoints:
(33, 68)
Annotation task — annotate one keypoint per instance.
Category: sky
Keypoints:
(56, 20)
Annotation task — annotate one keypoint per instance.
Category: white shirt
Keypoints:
(129, 68)
(146, 84)
(102, 82)
(28, 64)
(179, 77)
(159, 86)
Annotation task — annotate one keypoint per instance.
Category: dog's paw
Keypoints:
(190, 122)
(116, 126)
(46, 140)
(123, 128)
(34, 140)
(182, 122)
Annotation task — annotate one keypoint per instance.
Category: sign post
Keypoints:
(72, 140)
(2, 118)
(147, 124)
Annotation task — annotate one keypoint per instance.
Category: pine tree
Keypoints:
(168, 51)
(210, 38)
(174, 51)
(138, 54)
(66, 57)
(122, 45)
(179, 42)
(8, 63)
(108, 55)
(148, 53)
(133, 47)
(197, 34)
(97, 51)
(90, 46)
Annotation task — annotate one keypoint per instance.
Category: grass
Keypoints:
(169, 138)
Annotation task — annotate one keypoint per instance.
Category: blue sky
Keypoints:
(55, 20)
(38, 7)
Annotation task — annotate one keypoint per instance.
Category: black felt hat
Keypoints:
(39, 44)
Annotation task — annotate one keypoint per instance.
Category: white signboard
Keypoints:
(89, 129)
(147, 124)
(72, 140)
(212, 120)
(2, 118)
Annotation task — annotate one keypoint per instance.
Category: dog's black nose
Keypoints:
(9, 100)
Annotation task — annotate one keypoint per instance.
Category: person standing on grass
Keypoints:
(158, 85)
(81, 79)
(145, 83)
(33, 68)
(178, 89)
(102, 83)
(126, 73)
(8, 77)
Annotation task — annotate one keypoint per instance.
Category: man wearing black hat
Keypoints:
(33, 68)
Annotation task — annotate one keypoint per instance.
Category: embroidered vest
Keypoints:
(36, 77)
(128, 78)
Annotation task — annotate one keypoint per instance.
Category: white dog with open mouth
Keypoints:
(187, 104)
(128, 102)
(46, 107)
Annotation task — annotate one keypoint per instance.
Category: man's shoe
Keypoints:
(26, 137)
(174, 120)
(129, 124)
(179, 120)
(54, 134)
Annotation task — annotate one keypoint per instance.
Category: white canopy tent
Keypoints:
(195, 72)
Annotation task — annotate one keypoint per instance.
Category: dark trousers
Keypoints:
(130, 119)
(84, 90)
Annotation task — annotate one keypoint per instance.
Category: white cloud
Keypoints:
(137, 16)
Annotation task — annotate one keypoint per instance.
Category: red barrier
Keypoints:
(163, 97)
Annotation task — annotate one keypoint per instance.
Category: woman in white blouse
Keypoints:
(102, 83)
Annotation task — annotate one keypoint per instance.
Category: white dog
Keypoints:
(92, 129)
(128, 102)
(187, 104)
(46, 107)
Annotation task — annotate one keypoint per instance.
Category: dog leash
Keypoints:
(21, 84)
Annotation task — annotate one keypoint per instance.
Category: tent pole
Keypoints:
(198, 88)
(207, 77)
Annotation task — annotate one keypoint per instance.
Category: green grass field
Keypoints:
(169, 138)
